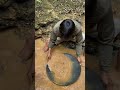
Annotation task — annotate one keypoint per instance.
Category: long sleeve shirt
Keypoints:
(77, 35)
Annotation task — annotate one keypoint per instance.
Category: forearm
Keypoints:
(79, 42)
(78, 50)
(81, 57)
(79, 54)
(49, 51)
(52, 41)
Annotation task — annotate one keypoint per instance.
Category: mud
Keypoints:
(59, 64)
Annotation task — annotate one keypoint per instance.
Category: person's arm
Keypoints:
(79, 40)
(51, 44)
(53, 39)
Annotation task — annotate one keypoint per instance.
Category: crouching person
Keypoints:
(66, 30)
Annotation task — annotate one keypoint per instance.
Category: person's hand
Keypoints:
(81, 60)
(49, 54)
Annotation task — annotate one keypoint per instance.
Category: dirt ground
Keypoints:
(42, 81)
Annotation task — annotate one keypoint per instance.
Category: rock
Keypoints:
(38, 34)
(49, 12)
(20, 15)
(6, 24)
(4, 3)
(21, 1)
(116, 8)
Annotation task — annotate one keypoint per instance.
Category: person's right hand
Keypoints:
(48, 56)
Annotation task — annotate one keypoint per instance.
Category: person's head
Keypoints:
(67, 28)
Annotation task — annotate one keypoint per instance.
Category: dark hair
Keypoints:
(67, 27)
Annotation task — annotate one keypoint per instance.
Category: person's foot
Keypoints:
(107, 81)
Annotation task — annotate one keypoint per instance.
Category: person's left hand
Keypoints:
(79, 60)
(49, 55)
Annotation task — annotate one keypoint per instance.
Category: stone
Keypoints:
(49, 12)
(4, 3)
